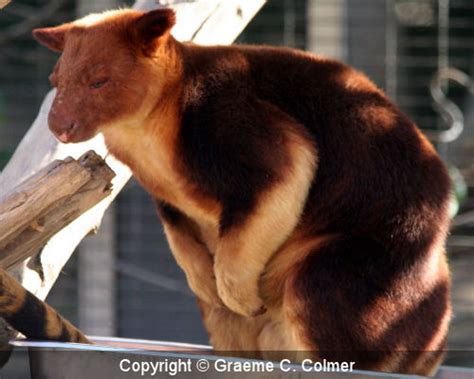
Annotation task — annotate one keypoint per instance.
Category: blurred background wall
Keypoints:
(124, 281)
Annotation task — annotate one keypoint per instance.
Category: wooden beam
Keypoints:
(203, 20)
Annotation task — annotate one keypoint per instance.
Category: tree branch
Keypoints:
(48, 201)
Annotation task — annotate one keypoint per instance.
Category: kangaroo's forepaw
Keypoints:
(202, 282)
(238, 293)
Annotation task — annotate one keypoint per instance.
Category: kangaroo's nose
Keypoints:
(66, 133)
(63, 127)
(72, 125)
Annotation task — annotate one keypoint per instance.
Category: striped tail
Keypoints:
(32, 317)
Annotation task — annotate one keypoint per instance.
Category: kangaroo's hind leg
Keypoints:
(350, 301)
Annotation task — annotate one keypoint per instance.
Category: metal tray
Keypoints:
(132, 358)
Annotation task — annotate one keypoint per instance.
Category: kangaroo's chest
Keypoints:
(154, 165)
(163, 182)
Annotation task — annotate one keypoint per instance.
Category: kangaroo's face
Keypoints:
(105, 70)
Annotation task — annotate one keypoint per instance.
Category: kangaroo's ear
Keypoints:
(152, 25)
(53, 38)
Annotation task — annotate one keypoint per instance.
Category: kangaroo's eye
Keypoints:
(98, 84)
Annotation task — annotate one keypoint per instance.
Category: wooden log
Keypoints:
(206, 18)
(45, 203)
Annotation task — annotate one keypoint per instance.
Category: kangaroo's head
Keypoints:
(112, 70)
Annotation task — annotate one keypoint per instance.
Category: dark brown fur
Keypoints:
(308, 213)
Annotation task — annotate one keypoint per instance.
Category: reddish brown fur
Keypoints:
(288, 185)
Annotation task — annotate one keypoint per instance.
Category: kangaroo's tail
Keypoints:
(33, 317)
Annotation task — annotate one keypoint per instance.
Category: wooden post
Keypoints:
(204, 21)
(96, 284)
(326, 27)
(97, 280)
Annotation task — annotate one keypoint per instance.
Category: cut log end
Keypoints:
(98, 168)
